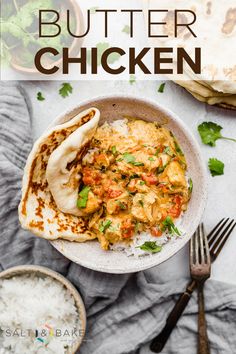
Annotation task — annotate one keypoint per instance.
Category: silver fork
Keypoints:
(216, 239)
(200, 269)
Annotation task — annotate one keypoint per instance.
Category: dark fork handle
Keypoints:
(203, 343)
(159, 342)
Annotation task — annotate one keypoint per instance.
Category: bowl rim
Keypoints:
(47, 272)
(70, 113)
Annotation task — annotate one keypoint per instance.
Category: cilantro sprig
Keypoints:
(210, 132)
(65, 90)
(169, 225)
(150, 246)
(216, 167)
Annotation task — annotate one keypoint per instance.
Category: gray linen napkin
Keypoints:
(124, 311)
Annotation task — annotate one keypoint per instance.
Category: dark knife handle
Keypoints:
(159, 341)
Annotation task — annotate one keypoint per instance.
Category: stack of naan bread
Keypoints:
(215, 28)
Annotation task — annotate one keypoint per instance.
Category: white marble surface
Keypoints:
(222, 189)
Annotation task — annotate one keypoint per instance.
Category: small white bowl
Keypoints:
(89, 254)
(46, 272)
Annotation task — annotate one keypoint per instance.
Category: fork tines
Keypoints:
(199, 250)
(219, 235)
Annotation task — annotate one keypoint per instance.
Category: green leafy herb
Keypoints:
(168, 151)
(150, 246)
(93, 10)
(122, 205)
(40, 96)
(160, 169)
(113, 150)
(157, 151)
(134, 176)
(132, 79)
(161, 87)
(210, 132)
(126, 29)
(141, 203)
(216, 167)
(66, 89)
(178, 149)
(83, 197)
(190, 185)
(142, 183)
(129, 158)
(151, 159)
(104, 225)
(170, 226)
(101, 48)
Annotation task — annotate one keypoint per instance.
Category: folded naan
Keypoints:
(51, 175)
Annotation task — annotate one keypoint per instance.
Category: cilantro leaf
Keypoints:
(210, 132)
(216, 167)
(132, 79)
(151, 247)
(178, 149)
(190, 185)
(101, 48)
(161, 87)
(169, 225)
(40, 96)
(129, 158)
(126, 29)
(104, 225)
(151, 159)
(65, 90)
(83, 197)
(114, 150)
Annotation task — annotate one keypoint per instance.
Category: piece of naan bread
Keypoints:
(38, 210)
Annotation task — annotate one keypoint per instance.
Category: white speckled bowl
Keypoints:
(90, 254)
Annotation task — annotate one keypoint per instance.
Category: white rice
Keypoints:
(29, 304)
(120, 126)
(138, 240)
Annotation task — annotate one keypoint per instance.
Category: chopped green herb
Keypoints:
(65, 90)
(216, 167)
(126, 29)
(113, 150)
(129, 158)
(121, 205)
(210, 132)
(161, 87)
(151, 159)
(137, 163)
(142, 183)
(157, 151)
(104, 225)
(83, 197)
(40, 96)
(160, 169)
(119, 160)
(178, 149)
(150, 246)
(170, 226)
(168, 151)
(141, 203)
(190, 185)
(134, 176)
